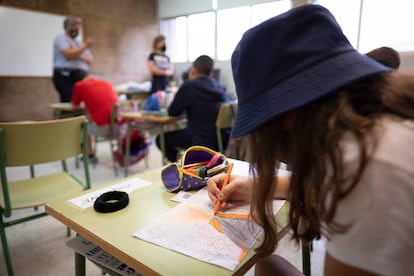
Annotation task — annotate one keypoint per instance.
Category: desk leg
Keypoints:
(79, 265)
(162, 144)
(127, 148)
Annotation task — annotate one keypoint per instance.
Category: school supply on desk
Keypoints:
(196, 165)
(87, 200)
(111, 202)
(226, 181)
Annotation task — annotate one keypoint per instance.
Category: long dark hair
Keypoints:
(309, 140)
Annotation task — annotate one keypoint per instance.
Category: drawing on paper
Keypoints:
(191, 229)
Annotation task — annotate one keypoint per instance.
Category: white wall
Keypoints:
(407, 61)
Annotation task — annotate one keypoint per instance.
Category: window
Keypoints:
(262, 12)
(387, 23)
(347, 15)
(191, 36)
(175, 31)
(229, 30)
(367, 24)
(201, 35)
(379, 23)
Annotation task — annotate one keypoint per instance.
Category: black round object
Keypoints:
(111, 202)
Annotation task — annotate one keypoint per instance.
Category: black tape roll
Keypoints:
(111, 202)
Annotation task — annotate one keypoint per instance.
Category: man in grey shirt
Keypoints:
(71, 59)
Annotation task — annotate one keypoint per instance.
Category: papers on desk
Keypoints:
(87, 200)
(98, 255)
(133, 86)
(191, 228)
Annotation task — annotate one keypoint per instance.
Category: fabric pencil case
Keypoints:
(195, 166)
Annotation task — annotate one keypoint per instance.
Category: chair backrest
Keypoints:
(225, 119)
(36, 142)
(226, 115)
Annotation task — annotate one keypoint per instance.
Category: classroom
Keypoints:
(123, 34)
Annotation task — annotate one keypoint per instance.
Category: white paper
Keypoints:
(181, 196)
(242, 168)
(87, 200)
(188, 229)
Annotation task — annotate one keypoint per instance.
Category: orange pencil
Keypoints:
(226, 180)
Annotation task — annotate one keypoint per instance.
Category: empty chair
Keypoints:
(32, 143)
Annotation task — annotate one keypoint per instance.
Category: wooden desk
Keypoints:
(144, 122)
(140, 95)
(113, 232)
(69, 110)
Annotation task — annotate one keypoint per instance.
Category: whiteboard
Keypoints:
(26, 47)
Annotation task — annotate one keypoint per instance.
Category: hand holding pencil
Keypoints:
(225, 182)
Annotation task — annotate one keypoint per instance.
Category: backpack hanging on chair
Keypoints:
(140, 143)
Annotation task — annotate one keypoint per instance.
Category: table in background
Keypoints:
(143, 121)
(64, 110)
(113, 232)
(140, 95)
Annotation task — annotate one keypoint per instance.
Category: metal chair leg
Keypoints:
(5, 246)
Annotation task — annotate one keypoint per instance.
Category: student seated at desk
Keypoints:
(344, 123)
(98, 96)
(200, 98)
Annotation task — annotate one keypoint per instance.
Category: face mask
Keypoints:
(163, 48)
(73, 33)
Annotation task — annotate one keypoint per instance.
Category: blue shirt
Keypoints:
(63, 42)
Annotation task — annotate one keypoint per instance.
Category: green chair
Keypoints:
(28, 144)
(225, 119)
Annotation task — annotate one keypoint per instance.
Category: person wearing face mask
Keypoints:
(159, 65)
(71, 59)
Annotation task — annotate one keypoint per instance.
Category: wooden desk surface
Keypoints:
(64, 107)
(141, 116)
(113, 231)
(133, 92)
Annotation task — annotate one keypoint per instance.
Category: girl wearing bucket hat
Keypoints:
(344, 124)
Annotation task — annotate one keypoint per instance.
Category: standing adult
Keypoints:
(159, 65)
(71, 59)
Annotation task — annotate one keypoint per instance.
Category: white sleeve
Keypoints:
(380, 214)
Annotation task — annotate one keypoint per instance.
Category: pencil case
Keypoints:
(195, 166)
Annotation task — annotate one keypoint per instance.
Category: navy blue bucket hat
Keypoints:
(291, 60)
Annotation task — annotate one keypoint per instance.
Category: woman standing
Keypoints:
(159, 65)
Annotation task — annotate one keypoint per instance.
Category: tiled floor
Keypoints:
(38, 247)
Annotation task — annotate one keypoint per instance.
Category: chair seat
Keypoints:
(37, 191)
